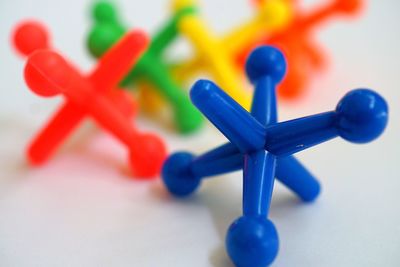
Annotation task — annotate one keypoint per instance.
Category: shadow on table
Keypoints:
(224, 200)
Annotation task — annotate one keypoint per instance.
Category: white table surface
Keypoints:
(82, 209)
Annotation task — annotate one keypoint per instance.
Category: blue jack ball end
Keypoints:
(176, 175)
(362, 116)
(252, 242)
(266, 61)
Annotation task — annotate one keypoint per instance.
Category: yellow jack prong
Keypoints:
(272, 16)
(220, 64)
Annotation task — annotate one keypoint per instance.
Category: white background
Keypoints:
(82, 209)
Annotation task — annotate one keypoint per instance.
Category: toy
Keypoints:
(30, 36)
(304, 55)
(272, 16)
(263, 148)
(47, 74)
(207, 45)
(150, 68)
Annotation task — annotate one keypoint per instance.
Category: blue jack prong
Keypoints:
(360, 117)
(258, 182)
(225, 150)
(289, 172)
(265, 68)
(287, 138)
(252, 240)
(205, 166)
(263, 108)
(228, 116)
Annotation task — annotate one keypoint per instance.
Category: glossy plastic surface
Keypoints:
(30, 36)
(151, 67)
(218, 62)
(47, 74)
(216, 54)
(304, 55)
(263, 148)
